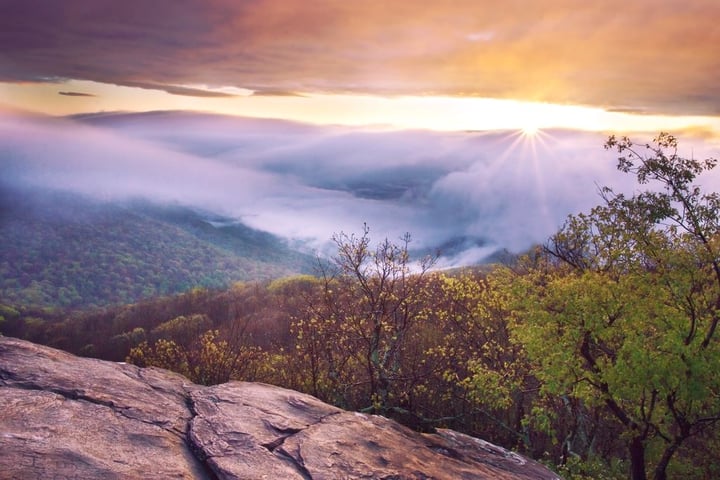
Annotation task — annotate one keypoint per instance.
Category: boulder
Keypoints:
(78, 418)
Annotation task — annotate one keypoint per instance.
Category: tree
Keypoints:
(208, 359)
(353, 334)
(622, 308)
(184, 330)
(490, 383)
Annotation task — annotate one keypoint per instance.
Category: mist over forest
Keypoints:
(468, 193)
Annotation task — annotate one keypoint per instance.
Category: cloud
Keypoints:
(655, 56)
(76, 94)
(179, 90)
(470, 193)
(263, 92)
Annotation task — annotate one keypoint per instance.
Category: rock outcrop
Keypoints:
(77, 418)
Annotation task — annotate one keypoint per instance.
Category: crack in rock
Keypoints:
(275, 443)
(276, 446)
(37, 461)
(78, 396)
(200, 455)
(298, 462)
(289, 431)
(282, 430)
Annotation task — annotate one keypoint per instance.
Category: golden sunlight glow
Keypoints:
(530, 130)
(417, 112)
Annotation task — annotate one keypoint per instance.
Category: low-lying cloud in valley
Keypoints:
(471, 192)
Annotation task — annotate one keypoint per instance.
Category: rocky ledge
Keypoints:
(77, 418)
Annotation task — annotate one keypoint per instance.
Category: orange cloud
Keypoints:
(620, 54)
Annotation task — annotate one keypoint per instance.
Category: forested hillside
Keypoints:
(61, 249)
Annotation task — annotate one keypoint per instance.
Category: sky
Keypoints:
(469, 119)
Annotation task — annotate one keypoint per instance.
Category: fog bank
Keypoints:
(473, 192)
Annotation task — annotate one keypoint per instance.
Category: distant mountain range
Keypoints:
(62, 249)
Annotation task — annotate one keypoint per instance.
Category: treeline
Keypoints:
(597, 353)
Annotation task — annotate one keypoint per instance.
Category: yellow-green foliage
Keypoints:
(183, 329)
(293, 283)
(7, 311)
(162, 354)
(620, 311)
(210, 361)
(478, 336)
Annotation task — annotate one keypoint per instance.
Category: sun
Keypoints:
(533, 118)
(530, 130)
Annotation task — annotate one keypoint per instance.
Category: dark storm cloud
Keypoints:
(638, 54)
(472, 193)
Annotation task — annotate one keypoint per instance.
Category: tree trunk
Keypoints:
(661, 468)
(637, 459)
